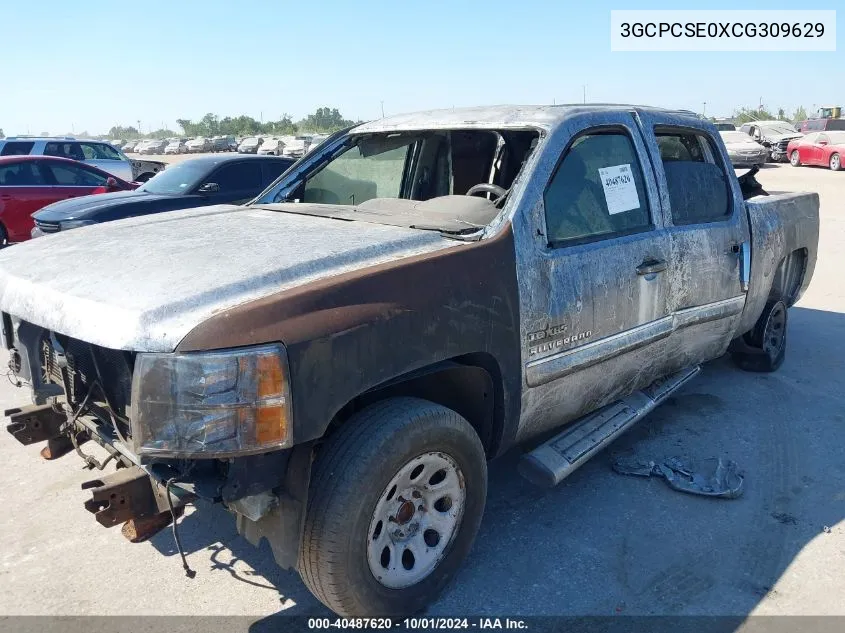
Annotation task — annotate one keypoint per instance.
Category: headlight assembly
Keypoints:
(211, 404)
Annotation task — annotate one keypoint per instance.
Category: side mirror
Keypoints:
(821, 142)
(112, 184)
(209, 187)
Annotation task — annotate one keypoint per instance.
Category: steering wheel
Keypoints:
(486, 187)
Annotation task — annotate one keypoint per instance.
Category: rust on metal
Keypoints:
(140, 529)
(127, 494)
(34, 423)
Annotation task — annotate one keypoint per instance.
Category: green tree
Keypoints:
(800, 114)
(324, 120)
(746, 115)
(119, 131)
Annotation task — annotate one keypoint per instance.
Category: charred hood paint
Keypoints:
(457, 303)
(170, 272)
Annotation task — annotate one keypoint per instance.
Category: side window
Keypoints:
(822, 138)
(698, 186)
(22, 174)
(273, 169)
(16, 148)
(99, 151)
(353, 178)
(64, 150)
(237, 177)
(75, 176)
(596, 191)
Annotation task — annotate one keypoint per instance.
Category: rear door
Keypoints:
(237, 182)
(592, 267)
(106, 157)
(71, 181)
(23, 191)
(708, 231)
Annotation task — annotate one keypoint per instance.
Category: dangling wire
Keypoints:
(190, 573)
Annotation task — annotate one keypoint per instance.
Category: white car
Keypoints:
(198, 145)
(295, 146)
(315, 142)
(91, 151)
(250, 145)
(176, 147)
(743, 150)
(271, 147)
(152, 146)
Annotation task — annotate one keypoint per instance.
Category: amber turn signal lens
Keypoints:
(271, 424)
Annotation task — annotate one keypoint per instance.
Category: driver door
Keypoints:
(817, 156)
(593, 269)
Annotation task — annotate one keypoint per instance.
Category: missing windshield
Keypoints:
(378, 175)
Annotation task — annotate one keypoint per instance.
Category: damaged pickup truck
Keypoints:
(337, 360)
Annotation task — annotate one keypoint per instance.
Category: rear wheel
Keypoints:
(4, 237)
(764, 347)
(794, 158)
(835, 162)
(395, 502)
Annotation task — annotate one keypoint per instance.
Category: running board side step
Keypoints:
(554, 460)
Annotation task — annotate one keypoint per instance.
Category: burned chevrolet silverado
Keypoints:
(337, 360)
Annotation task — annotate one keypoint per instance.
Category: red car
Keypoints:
(819, 148)
(28, 183)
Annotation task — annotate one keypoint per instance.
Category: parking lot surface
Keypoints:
(598, 544)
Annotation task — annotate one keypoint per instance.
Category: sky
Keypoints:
(92, 64)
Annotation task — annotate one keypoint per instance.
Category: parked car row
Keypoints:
(290, 146)
(45, 194)
(811, 142)
(92, 152)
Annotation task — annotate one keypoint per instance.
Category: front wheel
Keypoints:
(835, 162)
(794, 159)
(395, 502)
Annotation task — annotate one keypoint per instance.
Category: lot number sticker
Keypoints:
(620, 190)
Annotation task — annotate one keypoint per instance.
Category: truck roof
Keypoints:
(499, 116)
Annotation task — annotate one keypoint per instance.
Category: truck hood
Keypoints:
(774, 138)
(143, 283)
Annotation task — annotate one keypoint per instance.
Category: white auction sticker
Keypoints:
(620, 190)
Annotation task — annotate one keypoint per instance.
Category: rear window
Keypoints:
(697, 183)
(17, 148)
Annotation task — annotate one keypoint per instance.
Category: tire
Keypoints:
(835, 162)
(4, 237)
(794, 158)
(764, 347)
(353, 488)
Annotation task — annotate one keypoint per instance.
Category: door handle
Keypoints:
(651, 266)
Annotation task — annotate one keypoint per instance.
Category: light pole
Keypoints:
(584, 88)
(382, 109)
(704, 109)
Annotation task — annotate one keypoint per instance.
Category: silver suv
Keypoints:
(97, 153)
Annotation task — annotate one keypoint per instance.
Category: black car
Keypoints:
(191, 183)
